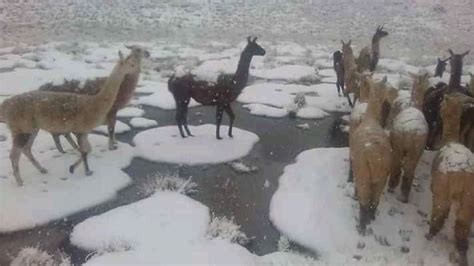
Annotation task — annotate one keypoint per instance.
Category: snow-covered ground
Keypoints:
(314, 206)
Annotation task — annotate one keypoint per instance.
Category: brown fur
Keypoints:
(92, 87)
(60, 113)
(408, 146)
(351, 75)
(371, 157)
(452, 186)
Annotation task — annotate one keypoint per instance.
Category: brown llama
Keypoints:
(371, 156)
(434, 95)
(92, 87)
(221, 94)
(369, 58)
(351, 74)
(60, 113)
(453, 178)
(408, 139)
(441, 67)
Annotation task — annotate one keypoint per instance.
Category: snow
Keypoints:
(358, 112)
(150, 86)
(286, 72)
(120, 127)
(329, 72)
(398, 66)
(130, 112)
(242, 168)
(314, 207)
(44, 198)
(311, 113)
(282, 95)
(35, 256)
(140, 122)
(455, 157)
(164, 144)
(161, 97)
(225, 229)
(410, 120)
(265, 110)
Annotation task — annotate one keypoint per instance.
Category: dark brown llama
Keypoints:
(92, 87)
(368, 59)
(441, 67)
(434, 96)
(339, 69)
(221, 94)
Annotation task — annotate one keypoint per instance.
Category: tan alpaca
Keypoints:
(408, 138)
(59, 113)
(453, 178)
(371, 156)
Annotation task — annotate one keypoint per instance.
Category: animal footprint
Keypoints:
(382, 240)
(405, 234)
(360, 245)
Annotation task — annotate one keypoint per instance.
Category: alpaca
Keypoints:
(453, 178)
(92, 87)
(441, 67)
(408, 139)
(339, 69)
(59, 113)
(351, 74)
(221, 94)
(369, 58)
(371, 156)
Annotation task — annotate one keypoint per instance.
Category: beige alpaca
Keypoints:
(60, 113)
(408, 138)
(453, 178)
(371, 156)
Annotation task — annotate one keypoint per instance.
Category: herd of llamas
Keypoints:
(437, 117)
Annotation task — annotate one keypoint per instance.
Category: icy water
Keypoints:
(246, 197)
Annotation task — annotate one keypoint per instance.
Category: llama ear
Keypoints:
(249, 39)
(450, 52)
(465, 53)
(342, 42)
(120, 55)
(254, 40)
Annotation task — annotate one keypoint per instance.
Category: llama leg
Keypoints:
(27, 152)
(71, 141)
(179, 118)
(377, 190)
(464, 218)
(84, 148)
(19, 141)
(230, 113)
(111, 119)
(439, 212)
(219, 113)
(363, 195)
(338, 89)
(57, 143)
(185, 118)
(350, 179)
(395, 169)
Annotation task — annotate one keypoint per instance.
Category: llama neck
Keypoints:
(451, 128)
(375, 45)
(242, 74)
(456, 72)
(108, 94)
(374, 109)
(417, 97)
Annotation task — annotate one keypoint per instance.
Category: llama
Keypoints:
(59, 113)
(221, 94)
(92, 87)
(408, 139)
(441, 67)
(339, 69)
(434, 96)
(369, 58)
(453, 178)
(371, 156)
(351, 74)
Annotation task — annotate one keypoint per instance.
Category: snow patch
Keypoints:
(120, 127)
(455, 157)
(140, 122)
(130, 112)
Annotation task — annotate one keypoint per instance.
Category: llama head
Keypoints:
(346, 47)
(138, 51)
(253, 48)
(456, 59)
(380, 33)
(421, 81)
(130, 64)
(441, 67)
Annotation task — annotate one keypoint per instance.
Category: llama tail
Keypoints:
(170, 83)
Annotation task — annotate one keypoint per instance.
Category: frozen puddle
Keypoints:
(166, 229)
(47, 197)
(165, 144)
(314, 207)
